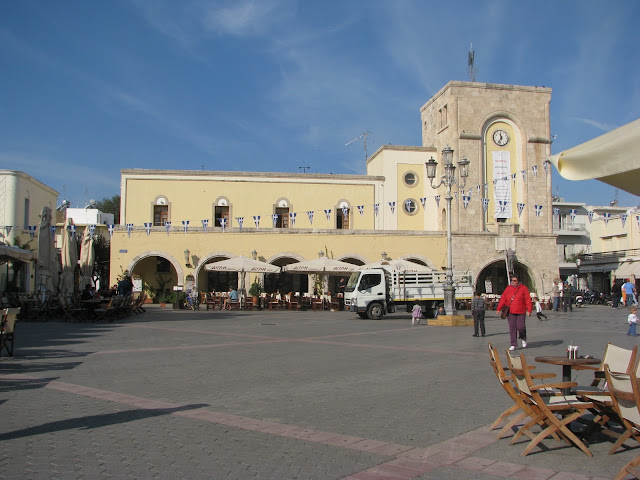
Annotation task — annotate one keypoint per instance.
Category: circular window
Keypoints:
(410, 206)
(410, 179)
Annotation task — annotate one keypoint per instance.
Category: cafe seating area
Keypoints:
(545, 410)
(292, 301)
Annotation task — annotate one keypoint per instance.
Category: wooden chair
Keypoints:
(619, 359)
(71, 311)
(625, 394)
(317, 303)
(7, 330)
(274, 302)
(519, 405)
(545, 408)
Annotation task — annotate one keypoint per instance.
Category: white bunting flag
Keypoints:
(513, 177)
(147, 227)
(437, 201)
(345, 212)
(110, 229)
(538, 209)
(520, 209)
(556, 211)
(590, 215)
(502, 204)
(223, 224)
(392, 206)
(167, 226)
(361, 210)
(572, 214)
(8, 230)
(327, 213)
(606, 216)
(32, 230)
(407, 205)
(486, 189)
(423, 201)
(376, 207)
(72, 230)
(256, 220)
(478, 187)
(274, 219)
(185, 225)
(638, 220)
(310, 215)
(53, 232)
(623, 219)
(205, 225)
(92, 230)
(524, 175)
(240, 221)
(465, 201)
(485, 204)
(292, 218)
(129, 229)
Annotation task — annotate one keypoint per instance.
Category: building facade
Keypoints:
(175, 222)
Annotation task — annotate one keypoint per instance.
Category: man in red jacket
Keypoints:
(517, 297)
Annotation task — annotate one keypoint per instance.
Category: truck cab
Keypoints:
(367, 293)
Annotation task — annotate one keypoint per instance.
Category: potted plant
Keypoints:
(255, 290)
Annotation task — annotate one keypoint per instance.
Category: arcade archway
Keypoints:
(493, 279)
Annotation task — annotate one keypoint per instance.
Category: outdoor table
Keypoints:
(567, 365)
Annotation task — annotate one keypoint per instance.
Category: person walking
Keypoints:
(539, 313)
(632, 320)
(517, 297)
(555, 294)
(615, 294)
(477, 310)
(416, 314)
(630, 290)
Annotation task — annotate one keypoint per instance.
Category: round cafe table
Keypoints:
(567, 365)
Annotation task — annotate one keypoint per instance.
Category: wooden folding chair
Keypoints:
(7, 330)
(619, 359)
(545, 408)
(519, 404)
(625, 394)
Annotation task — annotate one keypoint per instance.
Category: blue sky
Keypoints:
(89, 88)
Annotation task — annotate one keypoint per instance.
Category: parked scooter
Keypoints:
(579, 299)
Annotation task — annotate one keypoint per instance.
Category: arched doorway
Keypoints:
(216, 281)
(493, 279)
(284, 282)
(157, 271)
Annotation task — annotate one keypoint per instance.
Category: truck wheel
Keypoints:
(362, 315)
(374, 312)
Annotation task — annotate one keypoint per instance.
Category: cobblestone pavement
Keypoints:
(175, 394)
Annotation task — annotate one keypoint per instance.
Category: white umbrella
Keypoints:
(398, 265)
(14, 253)
(611, 158)
(323, 265)
(87, 259)
(48, 273)
(69, 259)
(242, 265)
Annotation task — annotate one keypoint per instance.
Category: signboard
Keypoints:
(137, 283)
(502, 185)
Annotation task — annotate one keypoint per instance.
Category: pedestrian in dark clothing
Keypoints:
(477, 310)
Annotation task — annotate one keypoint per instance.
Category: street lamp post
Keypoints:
(448, 180)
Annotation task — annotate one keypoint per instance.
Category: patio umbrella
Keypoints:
(8, 253)
(242, 265)
(398, 265)
(611, 158)
(48, 274)
(87, 259)
(322, 265)
(69, 259)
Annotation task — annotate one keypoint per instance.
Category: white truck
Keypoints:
(374, 292)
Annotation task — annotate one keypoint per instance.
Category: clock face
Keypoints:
(501, 138)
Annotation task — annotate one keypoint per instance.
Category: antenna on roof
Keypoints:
(304, 169)
(364, 135)
(471, 70)
(614, 202)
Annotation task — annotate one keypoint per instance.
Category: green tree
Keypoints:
(110, 205)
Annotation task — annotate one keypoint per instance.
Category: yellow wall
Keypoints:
(415, 192)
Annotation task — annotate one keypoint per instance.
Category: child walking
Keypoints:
(416, 314)
(539, 313)
(632, 319)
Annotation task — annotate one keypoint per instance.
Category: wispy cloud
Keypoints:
(247, 18)
(605, 127)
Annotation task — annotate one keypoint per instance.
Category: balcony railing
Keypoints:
(608, 256)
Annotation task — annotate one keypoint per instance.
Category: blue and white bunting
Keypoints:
(423, 201)
(361, 210)
(7, 229)
(638, 220)
(538, 209)
(623, 219)
(292, 219)
(129, 228)
(486, 189)
(392, 206)
(205, 225)
(465, 201)
(606, 216)
(437, 197)
(53, 232)
(590, 215)
(92, 230)
(502, 204)
(240, 221)
(327, 213)
(110, 229)
(147, 227)
(167, 226)
(535, 170)
(524, 175)
(310, 216)
(223, 224)
(256, 220)
(71, 230)
(572, 214)
(513, 177)
(376, 207)
(556, 211)
(185, 225)
(485, 204)
(32, 230)
(345, 212)
(274, 219)
(520, 209)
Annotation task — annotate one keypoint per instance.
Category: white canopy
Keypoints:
(398, 265)
(48, 271)
(14, 253)
(612, 158)
(324, 265)
(242, 264)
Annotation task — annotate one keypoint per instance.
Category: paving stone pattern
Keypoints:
(175, 394)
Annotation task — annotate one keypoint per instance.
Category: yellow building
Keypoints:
(283, 218)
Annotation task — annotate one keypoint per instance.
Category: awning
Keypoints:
(627, 268)
(612, 158)
(14, 253)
